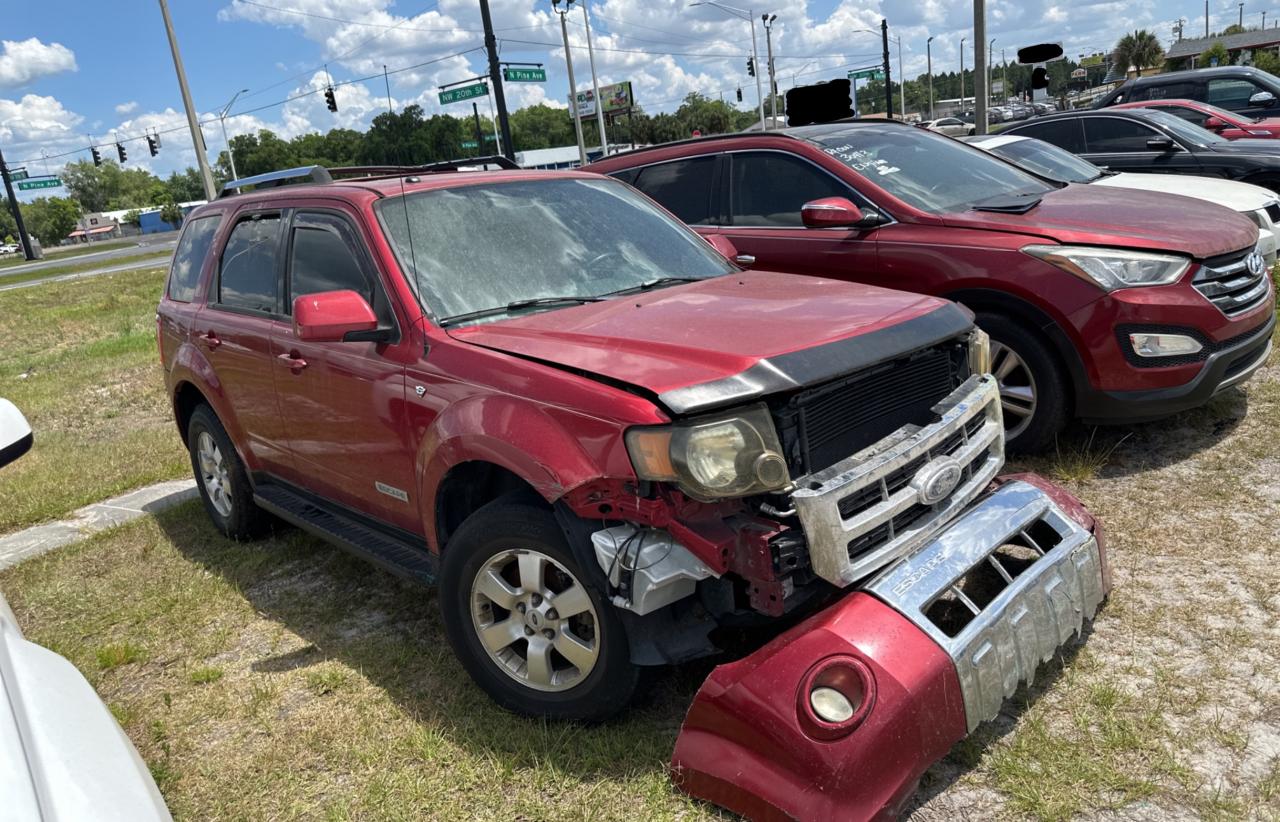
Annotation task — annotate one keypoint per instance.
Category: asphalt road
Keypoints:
(80, 275)
(146, 244)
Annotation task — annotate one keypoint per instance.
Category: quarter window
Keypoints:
(248, 274)
(768, 189)
(683, 187)
(1173, 91)
(1110, 135)
(188, 257)
(1065, 134)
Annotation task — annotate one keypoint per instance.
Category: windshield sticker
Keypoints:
(861, 161)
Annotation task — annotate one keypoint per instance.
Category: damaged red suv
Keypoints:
(602, 440)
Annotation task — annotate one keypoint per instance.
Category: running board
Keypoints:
(402, 558)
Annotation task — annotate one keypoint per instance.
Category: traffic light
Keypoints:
(739, 94)
(751, 66)
(153, 144)
(120, 150)
(329, 99)
(97, 158)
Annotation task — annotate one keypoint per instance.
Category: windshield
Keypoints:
(924, 169)
(478, 247)
(1180, 128)
(1047, 160)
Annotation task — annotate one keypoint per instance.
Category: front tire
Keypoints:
(529, 625)
(221, 477)
(1033, 389)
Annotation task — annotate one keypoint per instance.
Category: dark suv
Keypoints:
(605, 441)
(1242, 89)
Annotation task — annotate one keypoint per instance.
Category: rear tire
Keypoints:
(222, 479)
(532, 628)
(1033, 388)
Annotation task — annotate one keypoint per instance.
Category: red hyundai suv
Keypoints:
(1107, 305)
(604, 440)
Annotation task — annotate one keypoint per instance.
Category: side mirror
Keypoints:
(831, 212)
(15, 433)
(1160, 144)
(1262, 98)
(333, 316)
(1214, 124)
(723, 246)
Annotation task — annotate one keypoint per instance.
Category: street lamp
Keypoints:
(991, 50)
(222, 118)
(798, 72)
(928, 51)
(743, 14)
(962, 39)
(573, 86)
(595, 86)
(766, 20)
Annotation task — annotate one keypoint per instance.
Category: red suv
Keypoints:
(605, 441)
(1106, 305)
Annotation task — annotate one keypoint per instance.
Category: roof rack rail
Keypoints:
(315, 174)
(427, 168)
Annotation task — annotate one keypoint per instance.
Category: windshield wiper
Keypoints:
(516, 305)
(651, 284)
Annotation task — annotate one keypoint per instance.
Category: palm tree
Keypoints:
(1140, 49)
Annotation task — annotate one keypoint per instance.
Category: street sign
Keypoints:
(455, 95)
(524, 75)
(470, 144)
(48, 182)
(16, 174)
(867, 74)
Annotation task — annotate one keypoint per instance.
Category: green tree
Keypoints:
(132, 217)
(1234, 28)
(109, 187)
(171, 213)
(398, 139)
(8, 226)
(1217, 52)
(51, 219)
(1266, 60)
(541, 126)
(1140, 50)
(183, 187)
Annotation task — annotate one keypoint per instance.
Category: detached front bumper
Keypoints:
(925, 652)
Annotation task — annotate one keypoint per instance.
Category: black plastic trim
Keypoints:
(16, 449)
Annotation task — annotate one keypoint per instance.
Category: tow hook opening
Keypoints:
(835, 696)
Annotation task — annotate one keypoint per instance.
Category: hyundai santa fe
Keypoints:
(1101, 304)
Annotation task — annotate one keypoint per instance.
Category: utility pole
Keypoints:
(1241, 23)
(962, 75)
(495, 79)
(766, 20)
(17, 212)
(928, 51)
(197, 137)
(888, 78)
(222, 118)
(991, 62)
(573, 86)
(475, 114)
(750, 17)
(979, 67)
(595, 85)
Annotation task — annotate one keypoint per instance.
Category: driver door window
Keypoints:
(322, 257)
(1232, 94)
(769, 188)
(1111, 135)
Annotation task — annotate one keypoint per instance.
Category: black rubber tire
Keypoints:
(246, 520)
(1053, 397)
(500, 526)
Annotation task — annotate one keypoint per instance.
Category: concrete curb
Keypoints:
(40, 539)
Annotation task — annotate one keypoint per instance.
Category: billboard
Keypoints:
(617, 97)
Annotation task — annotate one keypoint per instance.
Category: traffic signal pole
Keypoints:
(888, 76)
(495, 80)
(197, 137)
(17, 212)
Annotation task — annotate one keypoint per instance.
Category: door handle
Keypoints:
(210, 339)
(294, 360)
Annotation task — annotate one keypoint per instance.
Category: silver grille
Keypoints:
(866, 511)
(1235, 285)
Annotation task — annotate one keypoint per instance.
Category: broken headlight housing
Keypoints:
(1113, 268)
(715, 457)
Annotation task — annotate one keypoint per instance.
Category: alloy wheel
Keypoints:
(535, 620)
(215, 475)
(1017, 388)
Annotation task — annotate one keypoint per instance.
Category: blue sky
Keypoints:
(65, 73)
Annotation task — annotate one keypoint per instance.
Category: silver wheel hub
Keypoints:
(215, 475)
(535, 620)
(1017, 388)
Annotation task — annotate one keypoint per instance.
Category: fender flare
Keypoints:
(191, 367)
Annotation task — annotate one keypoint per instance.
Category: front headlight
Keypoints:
(732, 455)
(979, 352)
(1113, 268)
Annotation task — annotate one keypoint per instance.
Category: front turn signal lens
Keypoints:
(650, 450)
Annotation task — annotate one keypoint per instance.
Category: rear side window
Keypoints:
(682, 187)
(1183, 90)
(1065, 134)
(1232, 94)
(188, 257)
(769, 188)
(249, 272)
(1111, 135)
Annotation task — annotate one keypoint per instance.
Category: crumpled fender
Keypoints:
(745, 746)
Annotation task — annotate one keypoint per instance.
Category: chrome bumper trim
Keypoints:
(1041, 609)
(818, 496)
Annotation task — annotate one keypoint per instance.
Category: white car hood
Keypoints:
(1227, 193)
(62, 755)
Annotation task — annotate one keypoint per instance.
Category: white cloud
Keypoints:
(35, 119)
(22, 61)
(126, 108)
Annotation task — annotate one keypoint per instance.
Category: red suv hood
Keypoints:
(689, 335)
(1095, 215)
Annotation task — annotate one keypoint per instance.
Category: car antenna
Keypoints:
(408, 226)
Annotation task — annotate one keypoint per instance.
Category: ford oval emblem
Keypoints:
(937, 479)
(1256, 264)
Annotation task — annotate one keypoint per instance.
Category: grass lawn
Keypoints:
(155, 258)
(79, 358)
(68, 251)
